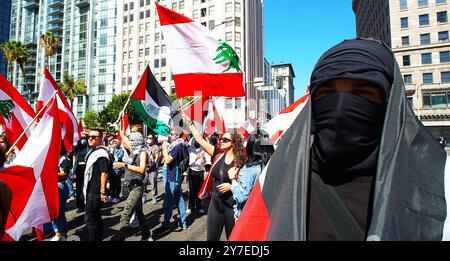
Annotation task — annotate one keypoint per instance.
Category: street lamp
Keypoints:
(224, 22)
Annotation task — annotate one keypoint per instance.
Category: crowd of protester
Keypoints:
(109, 168)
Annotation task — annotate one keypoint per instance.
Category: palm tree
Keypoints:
(72, 88)
(49, 42)
(17, 52)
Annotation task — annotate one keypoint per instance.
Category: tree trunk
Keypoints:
(25, 81)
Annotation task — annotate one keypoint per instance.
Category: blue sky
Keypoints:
(300, 31)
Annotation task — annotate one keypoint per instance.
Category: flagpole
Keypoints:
(123, 111)
(31, 123)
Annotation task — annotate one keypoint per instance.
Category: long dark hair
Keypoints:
(237, 143)
(2, 157)
(259, 149)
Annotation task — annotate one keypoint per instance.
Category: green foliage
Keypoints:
(110, 113)
(91, 120)
(72, 88)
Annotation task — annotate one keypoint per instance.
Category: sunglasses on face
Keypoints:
(224, 140)
(92, 137)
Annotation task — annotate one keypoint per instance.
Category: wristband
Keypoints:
(126, 165)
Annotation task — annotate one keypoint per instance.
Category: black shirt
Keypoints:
(220, 176)
(101, 165)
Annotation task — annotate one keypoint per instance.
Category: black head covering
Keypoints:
(358, 59)
(348, 128)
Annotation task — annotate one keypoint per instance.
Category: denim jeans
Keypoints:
(173, 195)
(93, 217)
(69, 182)
(154, 183)
(60, 224)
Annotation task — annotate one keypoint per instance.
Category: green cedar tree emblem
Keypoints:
(6, 106)
(227, 54)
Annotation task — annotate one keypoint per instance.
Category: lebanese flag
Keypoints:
(69, 123)
(125, 125)
(16, 114)
(80, 125)
(213, 122)
(201, 65)
(280, 123)
(248, 127)
(33, 177)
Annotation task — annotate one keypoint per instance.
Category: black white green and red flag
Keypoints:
(153, 105)
(201, 65)
(33, 177)
(16, 114)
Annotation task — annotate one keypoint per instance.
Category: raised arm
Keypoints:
(198, 137)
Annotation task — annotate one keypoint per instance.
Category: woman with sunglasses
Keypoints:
(228, 154)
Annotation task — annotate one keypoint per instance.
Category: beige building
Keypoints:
(418, 32)
(141, 42)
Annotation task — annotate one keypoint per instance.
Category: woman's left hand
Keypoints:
(224, 187)
(119, 165)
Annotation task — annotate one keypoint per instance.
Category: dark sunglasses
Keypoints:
(92, 137)
(224, 140)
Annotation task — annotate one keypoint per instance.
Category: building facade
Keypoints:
(140, 39)
(419, 37)
(89, 50)
(5, 19)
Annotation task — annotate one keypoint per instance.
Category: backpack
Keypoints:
(183, 166)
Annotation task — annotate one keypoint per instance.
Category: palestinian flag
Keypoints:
(15, 113)
(411, 199)
(201, 65)
(153, 105)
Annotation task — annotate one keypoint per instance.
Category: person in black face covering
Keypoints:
(349, 88)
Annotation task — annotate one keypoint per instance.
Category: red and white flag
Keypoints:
(199, 62)
(16, 114)
(280, 123)
(125, 125)
(205, 116)
(69, 124)
(248, 127)
(80, 125)
(33, 178)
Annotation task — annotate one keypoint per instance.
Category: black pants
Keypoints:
(79, 181)
(115, 184)
(93, 217)
(219, 215)
(195, 179)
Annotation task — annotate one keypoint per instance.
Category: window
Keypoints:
(238, 103)
(406, 60)
(424, 19)
(141, 52)
(131, 17)
(228, 7)
(404, 22)
(141, 3)
(425, 39)
(423, 3)
(141, 27)
(407, 78)
(147, 13)
(131, 5)
(125, 7)
(141, 39)
(228, 24)
(156, 63)
(163, 62)
(124, 81)
(228, 103)
(212, 10)
(405, 41)
(426, 58)
(203, 12)
(147, 51)
(427, 78)
(163, 48)
(403, 4)
(442, 17)
(444, 57)
(196, 14)
(130, 80)
(125, 19)
(229, 36)
(103, 22)
(156, 50)
(101, 88)
(443, 36)
(141, 15)
(175, 6)
(238, 36)
(130, 55)
(237, 7)
(441, 1)
(211, 25)
(445, 77)
(157, 37)
(181, 5)
(237, 22)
